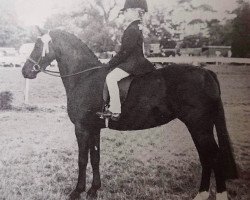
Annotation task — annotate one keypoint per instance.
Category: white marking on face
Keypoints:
(45, 39)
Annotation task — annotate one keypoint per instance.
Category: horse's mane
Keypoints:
(78, 45)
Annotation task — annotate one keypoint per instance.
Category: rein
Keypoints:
(36, 67)
(53, 73)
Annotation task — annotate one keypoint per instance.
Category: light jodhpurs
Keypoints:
(112, 80)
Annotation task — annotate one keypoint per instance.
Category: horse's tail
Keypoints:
(225, 147)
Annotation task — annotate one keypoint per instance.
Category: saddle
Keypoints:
(123, 85)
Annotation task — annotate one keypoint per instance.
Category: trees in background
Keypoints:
(241, 31)
(156, 25)
(93, 22)
(219, 34)
(98, 29)
(194, 41)
(11, 33)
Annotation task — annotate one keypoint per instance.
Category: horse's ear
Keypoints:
(41, 31)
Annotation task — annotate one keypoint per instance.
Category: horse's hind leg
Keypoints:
(95, 162)
(201, 129)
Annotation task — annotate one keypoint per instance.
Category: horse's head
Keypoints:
(41, 56)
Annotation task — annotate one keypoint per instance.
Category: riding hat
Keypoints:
(136, 4)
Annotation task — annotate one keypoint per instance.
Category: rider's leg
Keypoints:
(112, 80)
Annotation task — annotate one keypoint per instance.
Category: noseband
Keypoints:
(36, 66)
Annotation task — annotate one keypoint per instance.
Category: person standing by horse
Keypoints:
(130, 59)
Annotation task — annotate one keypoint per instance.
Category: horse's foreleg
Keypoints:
(205, 178)
(95, 162)
(82, 136)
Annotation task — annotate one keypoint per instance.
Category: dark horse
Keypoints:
(185, 92)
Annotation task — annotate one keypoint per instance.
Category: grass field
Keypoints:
(38, 149)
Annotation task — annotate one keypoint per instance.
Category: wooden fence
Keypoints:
(191, 60)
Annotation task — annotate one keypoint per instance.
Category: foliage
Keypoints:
(206, 7)
(156, 26)
(196, 21)
(194, 41)
(219, 34)
(166, 43)
(91, 23)
(184, 1)
(11, 33)
(6, 99)
(241, 31)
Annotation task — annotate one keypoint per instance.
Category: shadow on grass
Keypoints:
(135, 181)
(32, 108)
(6, 99)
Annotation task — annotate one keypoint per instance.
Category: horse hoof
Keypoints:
(221, 196)
(202, 196)
(92, 194)
(74, 195)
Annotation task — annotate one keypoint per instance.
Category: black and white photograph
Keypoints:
(124, 99)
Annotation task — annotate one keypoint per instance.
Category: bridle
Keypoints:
(37, 68)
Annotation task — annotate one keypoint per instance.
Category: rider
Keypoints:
(130, 59)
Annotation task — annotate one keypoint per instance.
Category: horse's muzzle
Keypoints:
(28, 74)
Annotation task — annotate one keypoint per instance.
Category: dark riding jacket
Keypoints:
(130, 58)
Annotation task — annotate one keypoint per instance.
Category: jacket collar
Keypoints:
(136, 22)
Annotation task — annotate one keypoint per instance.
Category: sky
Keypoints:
(35, 12)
